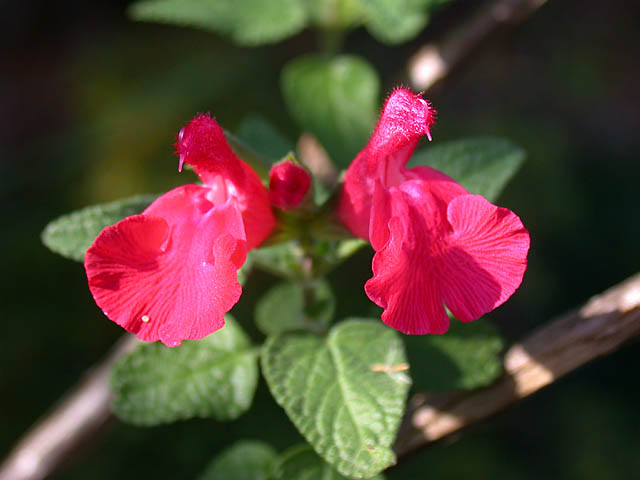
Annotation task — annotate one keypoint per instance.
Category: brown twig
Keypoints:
(68, 425)
(434, 61)
(598, 328)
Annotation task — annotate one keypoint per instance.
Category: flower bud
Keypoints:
(288, 184)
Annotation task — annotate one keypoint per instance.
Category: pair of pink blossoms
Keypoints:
(170, 273)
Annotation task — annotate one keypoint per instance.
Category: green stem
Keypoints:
(331, 41)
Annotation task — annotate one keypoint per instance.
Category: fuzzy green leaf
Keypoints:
(481, 165)
(283, 307)
(302, 463)
(245, 460)
(70, 235)
(464, 358)
(335, 99)
(345, 393)
(246, 22)
(213, 377)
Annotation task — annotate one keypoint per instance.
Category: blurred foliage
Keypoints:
(256, 22)
(245, 460)
(264, 138)
(247, 22)
(336, 99)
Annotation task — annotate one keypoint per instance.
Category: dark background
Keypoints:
(90, 105)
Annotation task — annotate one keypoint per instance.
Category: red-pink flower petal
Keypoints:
(354, 209)
(252, 201)
(288, 184)
(171, 273)
(469, 255)
(404, 281)
(487, 257)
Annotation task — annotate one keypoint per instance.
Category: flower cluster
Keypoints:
(170, 273)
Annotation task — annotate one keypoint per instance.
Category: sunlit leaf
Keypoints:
(345, 393)
(213, 377)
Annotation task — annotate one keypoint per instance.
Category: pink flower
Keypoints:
(435, 243)
(288, 184)
(170, 273)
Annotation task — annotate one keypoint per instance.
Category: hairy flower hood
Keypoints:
(435, 243)
(170, 273)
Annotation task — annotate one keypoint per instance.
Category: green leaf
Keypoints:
(213, 377)
(256, 132)
(283, 307)
(334, 16)
(281, 259)
(336, 99)
(395, 21)
(466, 357)
(302, 463)
(246, 22)
(70, 235)
(481, 165)
(244, 460)
(345, 393)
